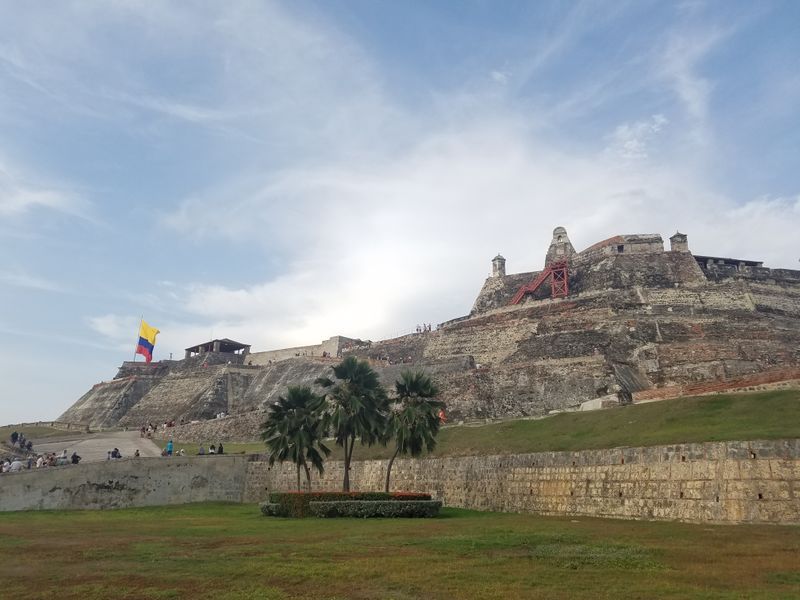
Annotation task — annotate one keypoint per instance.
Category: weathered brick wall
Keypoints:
(749, 482)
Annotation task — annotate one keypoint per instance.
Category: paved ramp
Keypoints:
(95, 447)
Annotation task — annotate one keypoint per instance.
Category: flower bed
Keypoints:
(296, 504)
(365, 509)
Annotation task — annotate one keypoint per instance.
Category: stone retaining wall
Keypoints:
(738, 482)
(126, 483)
(732, 482)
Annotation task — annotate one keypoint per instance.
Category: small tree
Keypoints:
(294, 430)
(415, 421)
(358, 408)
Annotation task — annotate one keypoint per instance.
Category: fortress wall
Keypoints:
(332, 347)
(126, 483)
(733, 482)
(730, 482)
(271, 356)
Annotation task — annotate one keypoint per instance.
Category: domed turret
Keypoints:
(498, 266)
(560, 248)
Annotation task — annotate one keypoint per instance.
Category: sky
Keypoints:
(281, 172)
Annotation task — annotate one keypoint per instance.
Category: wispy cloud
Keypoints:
(21, 279)
(631, 140)
(20, 193)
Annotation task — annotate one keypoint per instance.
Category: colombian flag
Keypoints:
(147, 339)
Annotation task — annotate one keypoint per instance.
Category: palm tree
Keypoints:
(294, 430)
(358, 408)
(415, 420)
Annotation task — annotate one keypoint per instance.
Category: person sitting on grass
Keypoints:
(202, 450)
(212, 449)
(219, 449)
(75, 458)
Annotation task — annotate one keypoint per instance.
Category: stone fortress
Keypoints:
(621, 321)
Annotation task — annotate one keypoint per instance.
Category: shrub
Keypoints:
(296, 504)
(365, 509)
(269, 509)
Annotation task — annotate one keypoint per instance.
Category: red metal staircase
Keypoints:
(559, 282)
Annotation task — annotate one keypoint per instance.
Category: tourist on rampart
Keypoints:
(16, 466)
(136, 454)
(75, 458)
(169, 447)
(40, 462)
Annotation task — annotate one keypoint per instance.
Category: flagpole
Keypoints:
(141, 320)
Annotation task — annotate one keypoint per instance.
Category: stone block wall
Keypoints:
(126, 483)
(733, 482)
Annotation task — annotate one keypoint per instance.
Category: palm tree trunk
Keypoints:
(389, 468)
(348, 454)
(298, 478)
(308, 475)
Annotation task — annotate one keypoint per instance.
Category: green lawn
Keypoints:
(751, 416)
(229, 551)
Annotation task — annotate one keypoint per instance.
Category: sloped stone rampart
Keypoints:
(233, 428)
(732, 482)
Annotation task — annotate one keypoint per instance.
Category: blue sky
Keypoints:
(278, 173)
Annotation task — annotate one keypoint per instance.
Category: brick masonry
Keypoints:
(730, 482)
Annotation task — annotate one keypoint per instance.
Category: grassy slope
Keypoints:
(761, 415)
(226, 552)
(35, 433)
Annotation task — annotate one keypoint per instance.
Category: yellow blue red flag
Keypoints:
(147, 340)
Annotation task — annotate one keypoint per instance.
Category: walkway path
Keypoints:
(95, 447)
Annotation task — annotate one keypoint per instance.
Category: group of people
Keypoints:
(425, 327)
(212, 449)
(149, 429)
(169, 450)
(48, 459)
(18, 440)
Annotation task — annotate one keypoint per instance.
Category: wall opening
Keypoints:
(620, 248)
(752, 454)
(681, 494)
(683, 459)
(761, 496)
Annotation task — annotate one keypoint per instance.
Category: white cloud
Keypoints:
(500, 77)
(631, 140)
